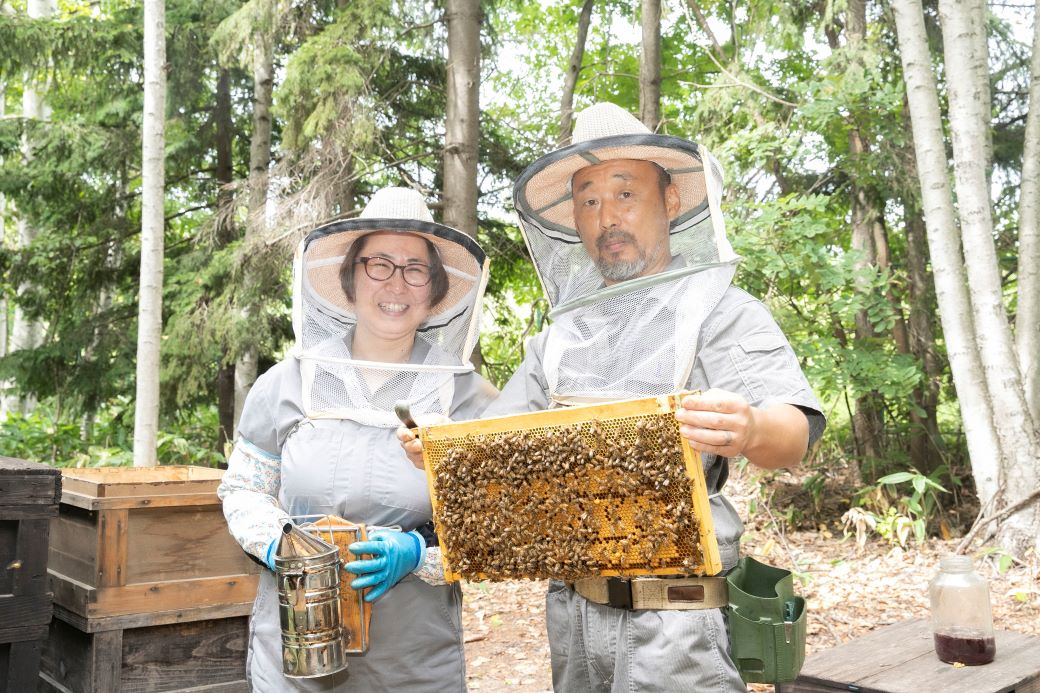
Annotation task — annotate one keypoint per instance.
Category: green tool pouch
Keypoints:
(766, 623)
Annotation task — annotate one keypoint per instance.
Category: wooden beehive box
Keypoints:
(607, 489)
(29, 495)
(133, 541)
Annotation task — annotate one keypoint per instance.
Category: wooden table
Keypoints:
(901, 659)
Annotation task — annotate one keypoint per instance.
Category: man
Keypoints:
(626, 234)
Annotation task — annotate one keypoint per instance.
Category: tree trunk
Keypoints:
(149, 315)
(462, 122)
(951, 289)
(1014, 426)
(462, 118)
(225, 233)
(259, 162)
(650, 65)
(978, 13)
(926, 443)
(1027, 321)
(867, 421)
(27, 333)
(570, 80)
(3, 243)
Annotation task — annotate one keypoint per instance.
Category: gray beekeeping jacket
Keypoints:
(742, 350)
(359, 473)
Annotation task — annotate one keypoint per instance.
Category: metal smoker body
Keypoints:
(307, 570)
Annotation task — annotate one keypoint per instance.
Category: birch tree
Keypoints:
(149, 315)
(1002, 437)
(26, 332)
(1027, 321)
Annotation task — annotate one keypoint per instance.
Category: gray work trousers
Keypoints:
(600, 649)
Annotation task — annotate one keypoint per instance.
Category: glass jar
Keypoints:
(962, 622)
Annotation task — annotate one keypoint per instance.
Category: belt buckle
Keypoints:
(619, 593)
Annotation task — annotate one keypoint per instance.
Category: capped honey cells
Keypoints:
(602, 497)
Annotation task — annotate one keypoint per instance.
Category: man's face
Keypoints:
(622, 216)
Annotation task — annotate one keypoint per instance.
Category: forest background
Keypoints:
(886, 214)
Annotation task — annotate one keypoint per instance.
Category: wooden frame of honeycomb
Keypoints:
(607, 489)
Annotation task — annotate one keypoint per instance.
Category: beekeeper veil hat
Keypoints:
(637, 337)
(336, 385)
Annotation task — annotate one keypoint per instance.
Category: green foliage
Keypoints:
(913, 512)
(43, 437)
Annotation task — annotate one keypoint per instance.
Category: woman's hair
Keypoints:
(438, 276)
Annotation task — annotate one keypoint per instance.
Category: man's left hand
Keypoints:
(717, 422)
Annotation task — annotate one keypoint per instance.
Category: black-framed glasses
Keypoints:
(381, 269)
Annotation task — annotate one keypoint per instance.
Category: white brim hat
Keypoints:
(606, 132)
(395, 210)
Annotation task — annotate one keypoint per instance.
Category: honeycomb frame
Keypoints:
(610, 490)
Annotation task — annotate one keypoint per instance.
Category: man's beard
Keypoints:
(622, 270)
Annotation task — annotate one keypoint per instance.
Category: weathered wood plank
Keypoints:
(185, 655)
(88, 502)
(15, 633)
(182, 543)
(151, 618)
(901, 659)
(206, 655)
(27, 609)
(113, 526)
(20, 665)
(152, 481)
(30, 577)
(28, 512)
(73, 544)
(27, 489)
(150, 597)
(81, 662)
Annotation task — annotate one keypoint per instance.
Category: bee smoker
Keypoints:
(307, 570)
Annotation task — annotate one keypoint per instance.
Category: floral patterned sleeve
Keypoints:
(432, 569)
(249, 491)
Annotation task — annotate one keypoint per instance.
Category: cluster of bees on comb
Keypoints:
(568, 502)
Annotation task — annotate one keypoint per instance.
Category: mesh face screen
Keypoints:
(614, 495)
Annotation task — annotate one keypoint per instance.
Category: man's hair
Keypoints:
(664, 179)
(438, 276)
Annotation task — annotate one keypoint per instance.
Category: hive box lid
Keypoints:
(129, 487)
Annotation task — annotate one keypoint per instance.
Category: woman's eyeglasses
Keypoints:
(381, 269)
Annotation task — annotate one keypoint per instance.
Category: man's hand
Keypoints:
(410, 442)
(718, 422)
(724, 423)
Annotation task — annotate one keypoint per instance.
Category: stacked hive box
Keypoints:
(29, 495)
(150, 590)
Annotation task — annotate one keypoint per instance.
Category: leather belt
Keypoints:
(655, 593)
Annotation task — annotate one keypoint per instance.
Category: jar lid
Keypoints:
(956, 564)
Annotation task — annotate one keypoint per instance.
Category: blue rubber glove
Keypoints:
(394, 555)
(269, 554)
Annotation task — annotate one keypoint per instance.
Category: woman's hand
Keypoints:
(393, 555)
(409, 439)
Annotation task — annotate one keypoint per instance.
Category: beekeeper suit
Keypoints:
(317, 432)
(627, 237)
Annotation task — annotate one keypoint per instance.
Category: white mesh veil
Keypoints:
(639, 337)
(335, 385)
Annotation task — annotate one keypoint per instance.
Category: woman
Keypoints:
(385, 308)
